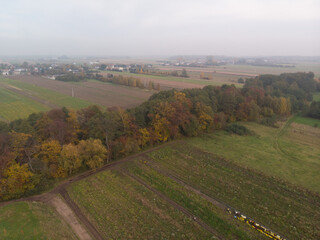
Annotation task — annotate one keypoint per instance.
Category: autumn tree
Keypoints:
(49, 154)
(17, 179)
(70, 160)
(92, 153)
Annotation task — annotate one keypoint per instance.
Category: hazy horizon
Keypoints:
(160, 28)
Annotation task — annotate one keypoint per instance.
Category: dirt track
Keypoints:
(65, 211)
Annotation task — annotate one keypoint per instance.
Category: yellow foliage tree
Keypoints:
(49, 153)
(70, 160)
(92, 153)
(17, 180)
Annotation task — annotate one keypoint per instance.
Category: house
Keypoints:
(6, 72)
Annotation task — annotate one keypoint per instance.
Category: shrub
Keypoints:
(239, 130)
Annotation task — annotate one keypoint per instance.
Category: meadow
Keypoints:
(48, 95)
(26, 220)
(91, 92)
(14, 106)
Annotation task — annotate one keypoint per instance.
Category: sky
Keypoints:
(160, 27)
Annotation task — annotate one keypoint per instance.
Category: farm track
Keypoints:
(176, 206)
(281, 132)
(28, 95)
(83, 219)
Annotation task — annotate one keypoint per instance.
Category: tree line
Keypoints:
(44, 147)
(127, 81)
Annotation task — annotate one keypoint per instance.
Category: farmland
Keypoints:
(246, 71)
(26, 220)
(167, 82)
(103, 94)
(23, 95)
(13, 105)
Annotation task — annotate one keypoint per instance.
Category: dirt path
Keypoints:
(84, 220)
(177, 206)
(281, 132)
(68, 216)
(28, 95)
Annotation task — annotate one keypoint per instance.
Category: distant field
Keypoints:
(178, 82)
(14, 106)
(47, 94)
(26, 221)
(103, 94)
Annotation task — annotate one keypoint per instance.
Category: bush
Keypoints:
(269, 121)
(239, 130)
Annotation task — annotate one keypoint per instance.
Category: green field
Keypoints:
(293, 157)
(32, 221)
(123, 209)
(288, 209)
(316, 96)
(14, 106)
(313, 122)
(54, 97)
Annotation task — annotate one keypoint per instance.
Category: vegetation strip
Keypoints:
(177, 206)
(267, 231)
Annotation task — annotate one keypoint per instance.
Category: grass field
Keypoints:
(287, 209)
(14, 106)
(32, 221)
(293, 157)
(316, 96)
(123, 209)
(307, 121)
(51, 96)
(104, 94)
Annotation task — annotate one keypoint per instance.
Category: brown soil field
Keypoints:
(104, 94)
(208, 70)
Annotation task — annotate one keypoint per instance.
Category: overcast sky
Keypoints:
(160, 27)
